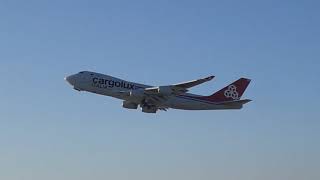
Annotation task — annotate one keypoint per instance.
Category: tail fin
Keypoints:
(232, 92)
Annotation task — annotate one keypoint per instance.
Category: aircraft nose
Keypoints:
(71, 79)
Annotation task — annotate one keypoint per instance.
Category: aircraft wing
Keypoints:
(190, 84)
(155, 96)
(176, 89)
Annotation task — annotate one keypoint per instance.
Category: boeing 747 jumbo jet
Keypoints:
(154, 98)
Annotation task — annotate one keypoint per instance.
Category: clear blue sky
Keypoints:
(49, 131)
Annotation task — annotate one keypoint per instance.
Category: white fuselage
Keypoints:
(118, 88)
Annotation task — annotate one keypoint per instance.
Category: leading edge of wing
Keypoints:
(190, 84)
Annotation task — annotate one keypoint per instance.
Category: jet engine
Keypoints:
(149, 109)
(129, 105)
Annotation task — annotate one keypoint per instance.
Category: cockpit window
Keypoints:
(81, 72)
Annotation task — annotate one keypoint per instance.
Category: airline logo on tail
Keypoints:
(231, 92)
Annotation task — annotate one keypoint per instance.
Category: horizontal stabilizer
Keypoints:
(235, 103)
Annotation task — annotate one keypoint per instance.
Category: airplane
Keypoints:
(153, 98)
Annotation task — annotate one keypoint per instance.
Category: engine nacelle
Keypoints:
(149, 109)
(167, 90)
(129, 105)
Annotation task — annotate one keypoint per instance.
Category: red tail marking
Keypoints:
(232, 92)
